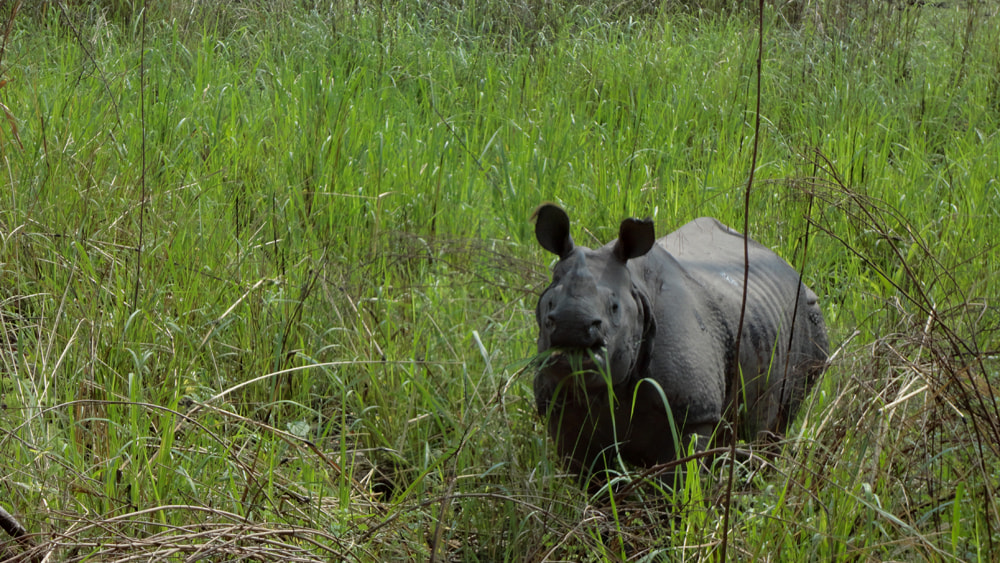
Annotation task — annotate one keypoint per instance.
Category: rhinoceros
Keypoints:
(637, 342)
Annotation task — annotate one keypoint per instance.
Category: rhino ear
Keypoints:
(552, 230)
(635, 238)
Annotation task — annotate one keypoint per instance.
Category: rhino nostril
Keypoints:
(595, 330)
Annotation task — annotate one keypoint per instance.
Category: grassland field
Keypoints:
(268, 274)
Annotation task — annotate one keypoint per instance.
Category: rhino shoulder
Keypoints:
(707, 238)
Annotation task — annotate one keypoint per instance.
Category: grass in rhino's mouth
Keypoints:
(570, 361)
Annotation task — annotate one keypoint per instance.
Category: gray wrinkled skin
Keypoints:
(623, 326)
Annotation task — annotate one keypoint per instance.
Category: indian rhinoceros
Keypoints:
(638, 320)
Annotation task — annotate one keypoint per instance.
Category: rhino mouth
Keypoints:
(589, 364)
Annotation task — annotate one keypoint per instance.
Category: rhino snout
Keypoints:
(575, 332)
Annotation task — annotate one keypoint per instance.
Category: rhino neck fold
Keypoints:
(645, 349)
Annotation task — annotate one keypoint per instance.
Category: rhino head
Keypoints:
(594, 323)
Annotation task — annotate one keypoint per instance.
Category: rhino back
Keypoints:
(784, 343)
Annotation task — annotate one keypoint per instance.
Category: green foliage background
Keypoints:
(268, 275)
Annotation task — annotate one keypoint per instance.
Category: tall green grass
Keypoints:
(322, 346)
